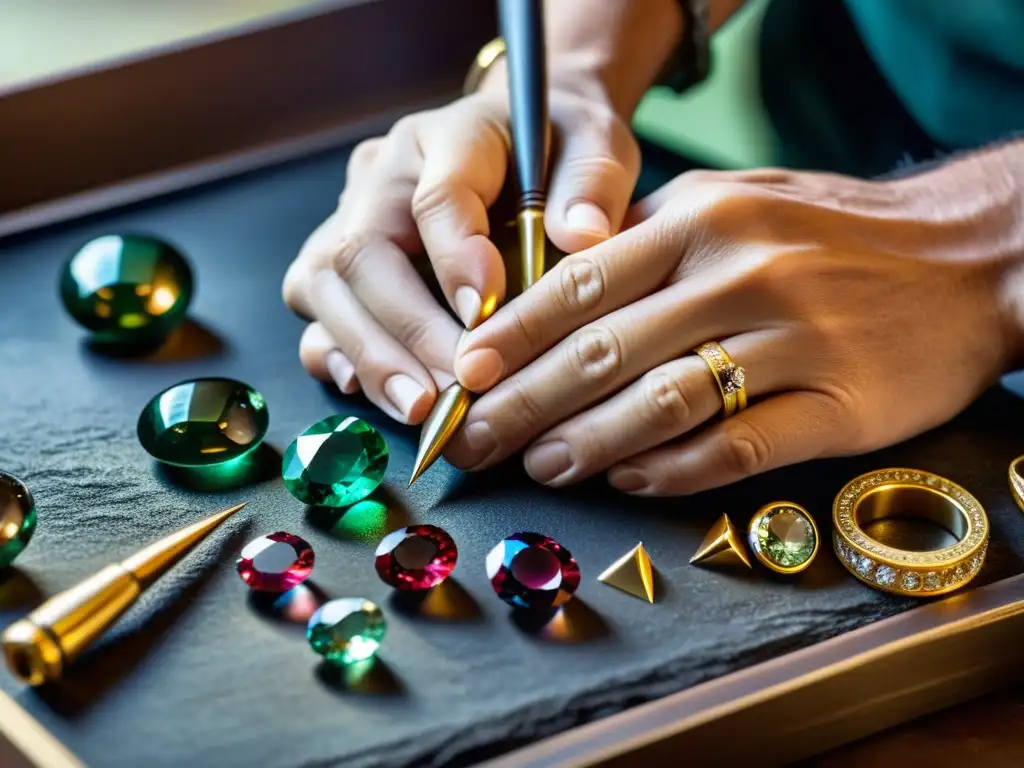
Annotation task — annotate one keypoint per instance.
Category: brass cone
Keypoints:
(632, 573)
(723, 545)
(38, 647)
(532, 244)
(441, 424)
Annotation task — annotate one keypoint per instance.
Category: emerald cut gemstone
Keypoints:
(203, 422)
(335, 463)
(346, 631)
(127, 288)
(17, 518)
(784, 537)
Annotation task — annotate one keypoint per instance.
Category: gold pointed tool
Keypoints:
(632, 573)
(722, 546)
(39, 647)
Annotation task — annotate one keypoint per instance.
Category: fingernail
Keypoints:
(480, 369)
(341, 370)
(627, 479)
(405, 394)
(587, 217)
(467, 304)
(481, 439)
(545, 462)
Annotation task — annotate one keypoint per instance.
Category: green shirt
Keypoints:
(956, 65)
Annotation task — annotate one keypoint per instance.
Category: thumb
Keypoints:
(591, 185)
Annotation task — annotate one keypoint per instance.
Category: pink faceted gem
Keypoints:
(276, 562)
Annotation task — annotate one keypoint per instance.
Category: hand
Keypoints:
(863, 313)
(427, 187)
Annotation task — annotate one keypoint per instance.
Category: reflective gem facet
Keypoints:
(17, 518)
(911, 581)
(885, 575)
(786, 537)
(275, 562)
(416, 557)
(335, 463)
(932, 580)
(127, 288)
(530, 570)
(347, 630)
(203, 422)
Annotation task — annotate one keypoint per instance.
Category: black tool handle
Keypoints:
(522, 26)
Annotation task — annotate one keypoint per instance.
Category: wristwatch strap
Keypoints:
(691, 60)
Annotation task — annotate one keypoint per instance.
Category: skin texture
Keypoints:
(863, 312)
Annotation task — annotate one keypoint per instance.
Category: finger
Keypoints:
(602, 358)
(580, 289)
(393, 380)
(782, 430)
(591, 184)
(464, 165)
(320, 356)
(667, 402)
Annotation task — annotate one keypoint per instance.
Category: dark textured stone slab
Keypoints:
(199, 674)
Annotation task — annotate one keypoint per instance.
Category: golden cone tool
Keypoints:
(39, 647)
(632, 573)
(723, 545)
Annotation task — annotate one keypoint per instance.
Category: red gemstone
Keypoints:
(416, 557)
(276, 562)
(529, 570)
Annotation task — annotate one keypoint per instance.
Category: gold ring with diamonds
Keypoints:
(1017, 481)
(909, 493)
(731, 379)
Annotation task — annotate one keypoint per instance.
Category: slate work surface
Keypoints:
(199, 674)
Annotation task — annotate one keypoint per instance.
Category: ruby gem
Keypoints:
(275, 562)
(530, 570)
(416, 557)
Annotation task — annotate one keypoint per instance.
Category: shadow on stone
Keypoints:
(294, 607)
(448, 601)
(372, 677)
(192, 340)
(18, 590)
(368, 520)
(572, 624)
(255, 467)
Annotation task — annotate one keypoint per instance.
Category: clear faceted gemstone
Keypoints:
(416, 557)
(335, 463)
(276, 562)
(347, 630)
(203, 422)
(786, 537)
(911, 581)
(865, 566)
(17, 518)
(530, 570)
(885, 575)
(734, 379)
(932, 581)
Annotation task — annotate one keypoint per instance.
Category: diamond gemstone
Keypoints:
(335, 463)
(127, 288)
(276, 562)
(786, 537)
(347, 630)
(416, 557)
(203, 422)
(885, 575)
(734, 378)
(932, 581)
(17, 518)
(865, 565)
(911, 581)
(530, 570)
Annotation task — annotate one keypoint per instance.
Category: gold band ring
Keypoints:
(888, 493)
(731, 379)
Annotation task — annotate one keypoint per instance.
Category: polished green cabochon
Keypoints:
(127, 288)
(203, 422)
(336, 462)
(17, 518)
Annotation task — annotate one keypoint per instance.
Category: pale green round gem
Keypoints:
(346, 631)
(786, 537)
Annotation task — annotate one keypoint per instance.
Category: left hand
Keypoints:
(863, 312)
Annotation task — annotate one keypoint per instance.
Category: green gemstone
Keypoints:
(17, 518)
(335, 463)
(346, 631)
(786, 537)
(203, 422)
(127, 288)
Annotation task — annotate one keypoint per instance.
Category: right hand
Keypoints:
(427, 187)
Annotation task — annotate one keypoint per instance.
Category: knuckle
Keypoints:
(745, 450)
(415, 333)
(582, 283)
(528, 411)
(432, 198)
(595, 355)
(531, 339)
(363, 155)
(349, 252)
(667, 401)
(404, 127)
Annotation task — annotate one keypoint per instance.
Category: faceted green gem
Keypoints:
(127, 288)
(347, 630)
(17, 518)
(786, 537)
(203, 422)
(335, 463)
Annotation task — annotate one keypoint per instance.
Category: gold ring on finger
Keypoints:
(731, 379)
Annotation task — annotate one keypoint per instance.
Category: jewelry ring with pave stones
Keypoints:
(894, 493)
(731, 379)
